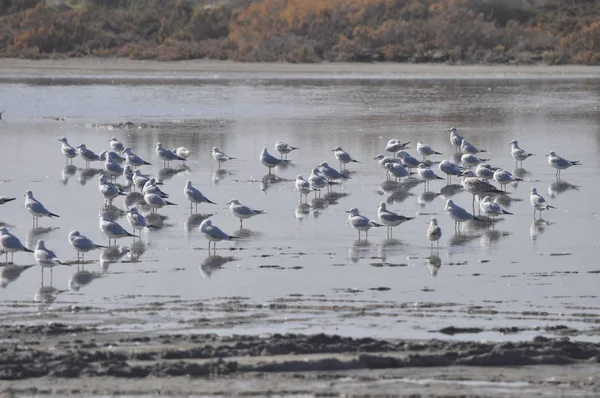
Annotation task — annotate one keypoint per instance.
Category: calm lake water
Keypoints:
(302, 269)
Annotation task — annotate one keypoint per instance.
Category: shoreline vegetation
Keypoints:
(551, 32)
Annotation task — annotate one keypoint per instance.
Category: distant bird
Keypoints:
(182, 152)
(136, 220)
(478, 186)
(467, 147)
(195, 196)
(396, 169)
(87, 155)
(485, 171)
(504, 178)
(469, 160)
(11, 273)
(270, 161)
(139, 179)
(213, 234)
(151, 186)
(408, 160)
(242, 212)
(382, 160)
(166, 155)
(116, 145)
(284, 148)
(491, 209)
(128, 174)
(360, 223)
(11, 244)
(36, 208)
(317, 181)
(108, 189)
(389, 218)
(220, 157)
(455, 138)
(82, 244)
(458, 214)
(4, 200)
(343, 157)
(45, 257)
(133, 159)
(395, 146)
(112, 229)
(113, 169)
(434, 232)
(67, 150)
(518, 154)
(427, 174)
(155, 201)
(450, 169)
(303, 187)
(331, 174)
(538, 202)
(113, 156)
(560, 163)
(425, 150)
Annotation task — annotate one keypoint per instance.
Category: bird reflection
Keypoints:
(87, 174)
(35, 234)
(359, 249)
(505, 200)
(398, 197)
(157, 220)
(521, 173)
(67, 172)
(167, 172)
(213, 263)
(269, 179)
(302, 210)
(560, 186)
(134, 199)
(492, 236)
(136, 249)
(113, 211)
(111, 255)
(426, 197)
(450, 190)
(333, 197)
(538, 227)
(390, 186)
(220, 175)
(456, 157)
(388, 246)
(46, 296)
(11, 273)
(195, 220)
(82, 278)
(434, 263)
(245, 233)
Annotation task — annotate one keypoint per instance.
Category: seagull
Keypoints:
(389, 218)
(45, 257)
(139, 179)
(434, 232)
(458, 214)
(425, 150)
(455, 138)
(331, 174)
(87, 155)
(128, 174)
(303, 187)
(112, 168)
(470, 160)
(395, 145)
(396, 169)
(408, 160)
(113, 156)
(155, 201)
(67, 150)
(182, 152)
(451, 169)
(538, 203)
(427, 174)
(166, 155)
(518, 154)
(137, 220)
(4, 200)
(133, 159)
(491, 209)
(478, 186)
(342, 156)
(504, 178)
(82, 244)
(560, 163)
(195, 196)
(485, 171)
(284, 148)
(219, 156)
(467, 147)
(116, 145)
(151, 187)
(108, 189)
(317, 181)
(360, 223)
(213, 234)
(11, 272)
(242, 212)
(36, 208)
(12, 244)
(270, 161)
(112, 229)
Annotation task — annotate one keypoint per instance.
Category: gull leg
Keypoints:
(82, 258)
(51, 276)
(241, 223)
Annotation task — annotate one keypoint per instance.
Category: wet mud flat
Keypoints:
(59, 359)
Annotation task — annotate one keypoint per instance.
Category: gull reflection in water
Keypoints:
(46, 295)
(67, 172)
(521, 173)
(82, 278)
(168, 172)
(36, 233)
(561, 186)
(214, 263)
(220, 175)
(359, 249)
(86, 174)
(111, 255)
(136, 249)
(426, 197)
(450, 190)
(11, 273)
(270, 179)
(538, 227)
(389, 246)
(194, 221)
(302, 211)
(134, 199)
(492, 236)
(434, 264)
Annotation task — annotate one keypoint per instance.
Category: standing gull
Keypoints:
(455, 138)
(360, 223)
(133, 159)
(467, 147)
(136, 220)
(182, 152)
(491, 209)
(458, 214)
(451, 169)
(220, 157)
(113, 169)
(166, 155)
(504, 178)
(213, 234)
(82, 244)
(269, 160)
(343, 157)
(425, 150)
(331, 174)
(45, 257)
(395, 169)
(538, 203)
(303, 187)
(408, 160)
(484, 171)
(317, 181)
(389, 218)
(112, 229)
(395, 145)
(108, 190)
(427, 174)
(518, 154)
(12, 244)
(478, 186)
(284, 148)
(87, 155)
(434, 232)
(36, 208)
(469, 160)
(156, 201)
(112, 155)
(560, 163)
(242, 212)
(116, 145)
(67, 150)
(195, 196)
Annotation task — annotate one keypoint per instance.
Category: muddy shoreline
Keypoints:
(35, 358)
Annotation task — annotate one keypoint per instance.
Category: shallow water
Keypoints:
(303, 269)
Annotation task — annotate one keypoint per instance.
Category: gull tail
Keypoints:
(101, 247)
(439, 178)
(210, 201)
(482, 150)
(147, 164)
(132, 235)
(480, 219)
(550, 207)
(259, 212)
(405, 145)
(437, 153)
(53, 215)
(293, 148)
(9, 199)
(231, 237)
(150, 226)
(376, 224)
(230, 158)
(518, 179)
(506, 212)
(26, 250)
(575, 162)
(180, 158)
(355, 161)
(170, 204)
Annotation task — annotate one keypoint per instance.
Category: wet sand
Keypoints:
(58, 359)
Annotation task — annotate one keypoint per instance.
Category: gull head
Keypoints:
(422, 166)
(215, 149)
(551, 154)
(3, 231)
(533, 191)
(40, 245)
(113, 139)
(382, 205)
(188, 184)
(449, 202)
(133, 210)
(104, 215)
(486, 199)
(137, 172)
(403, 154)
(514, 143)
(324, 165)
(233, 202)
(453, 130)
(73, 234)
(315, 171)
(299, 178)
(159, 145)
(353, 211)
(337, 148)
(63, 140)
(391, 142)
(433, 221)
(81, 146)
(28, 194)
(379, 157)
(467, 173)
(204, 224)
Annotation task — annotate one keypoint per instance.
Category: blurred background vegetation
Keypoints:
(450, 31)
